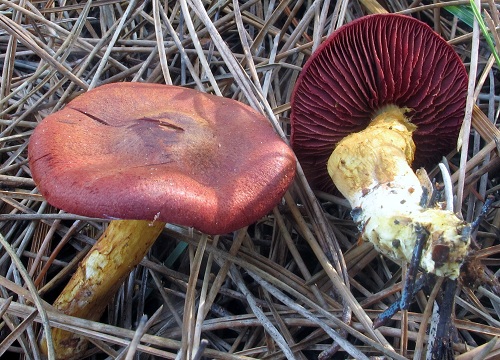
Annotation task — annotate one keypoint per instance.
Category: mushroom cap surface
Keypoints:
(366, 65)
(158, 152)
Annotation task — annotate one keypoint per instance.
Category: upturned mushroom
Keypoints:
(381, 94)
(151, 154)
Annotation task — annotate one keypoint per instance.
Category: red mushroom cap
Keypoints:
(374, 61)
(149, 151)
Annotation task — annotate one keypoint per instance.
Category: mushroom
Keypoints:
(151, 154)
(381, 94)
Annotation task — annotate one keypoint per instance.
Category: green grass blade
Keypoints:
(464, 13)
(485, 31)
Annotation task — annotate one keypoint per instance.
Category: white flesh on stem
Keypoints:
(372, 170)
(99, 275)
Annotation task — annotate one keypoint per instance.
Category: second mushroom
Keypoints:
(382, 94)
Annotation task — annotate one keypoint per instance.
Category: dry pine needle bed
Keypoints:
(298, 283)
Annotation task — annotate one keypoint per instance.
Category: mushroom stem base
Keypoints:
(372, 170)
(120, 248)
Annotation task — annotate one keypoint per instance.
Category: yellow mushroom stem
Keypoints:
(372, 170)
(99, 275)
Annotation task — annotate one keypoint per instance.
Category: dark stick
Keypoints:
(388, 313)
(484, 210)
(440, 347)
(410, 287)
(407, 293)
